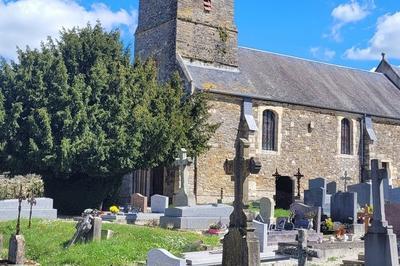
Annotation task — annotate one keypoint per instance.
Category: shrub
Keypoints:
(9, 187)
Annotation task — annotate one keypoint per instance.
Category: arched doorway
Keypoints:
(284, 192)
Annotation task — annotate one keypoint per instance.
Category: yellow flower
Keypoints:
(114, 209)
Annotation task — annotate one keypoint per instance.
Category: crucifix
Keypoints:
(184, 196)
(20, 199)
(240, 245)
(299, 176)
(345, 178)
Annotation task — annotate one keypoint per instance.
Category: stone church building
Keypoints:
(297, 114)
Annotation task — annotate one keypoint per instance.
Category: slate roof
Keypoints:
(281, 78)
(397, 70)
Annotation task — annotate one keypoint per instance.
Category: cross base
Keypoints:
(182, 199)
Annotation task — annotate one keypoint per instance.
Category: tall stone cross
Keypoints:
(380, 241)
(184, 196)
(240, 245)
(345, 178)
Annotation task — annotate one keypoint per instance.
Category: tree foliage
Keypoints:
(79, 107)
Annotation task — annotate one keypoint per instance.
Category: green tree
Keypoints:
(78, 112)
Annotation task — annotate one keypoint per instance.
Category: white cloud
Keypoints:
(386, 39)
(320, 53)
(350, 12)
(28, 22)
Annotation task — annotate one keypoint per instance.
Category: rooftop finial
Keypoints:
(383, 56)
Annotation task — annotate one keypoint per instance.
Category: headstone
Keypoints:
(331, 188)
(267, 210)
(303, 213)
(318, 182)
(184, 197)
(392, 211)
(1, 244)
(380, 241)
(281, 222)
(95, 232)
(261, 230)
(161, 257)
(344, 207)
(16, 250)
(42, 210)
(240, 244)
(139, 202)
(159, 203)
(364, 193)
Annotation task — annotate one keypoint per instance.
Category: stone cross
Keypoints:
(184, 196)
(240, 245)
(380, 241)
(299, 176)
(378, 175)
(345, 178)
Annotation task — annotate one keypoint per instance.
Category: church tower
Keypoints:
(199, 31)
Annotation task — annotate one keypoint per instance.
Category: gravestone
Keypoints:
(302, 247)
(184, 196)
(16, 250)
(331, 188)
(364, 193)
(392, 211)
(316, 195)
(380, 241)
(240, 244)
(139, 202)
(267, 210)
(344, 207)
(1, 244)
(161, 257)
(159, 203)
(303, 213)
(261, 230)
(95, 232)
(43, 209)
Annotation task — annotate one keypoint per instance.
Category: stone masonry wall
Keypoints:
(316, 152)
(387, 148)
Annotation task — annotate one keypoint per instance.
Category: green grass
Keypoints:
(255, 208)
(45, 243)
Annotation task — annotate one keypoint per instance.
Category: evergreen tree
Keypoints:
(78, 112)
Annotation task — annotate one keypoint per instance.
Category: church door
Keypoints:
(157, 181)
(284, 187)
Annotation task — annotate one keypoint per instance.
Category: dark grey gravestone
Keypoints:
(331, 188)
(303, 213)
(364, 193)
(394, 195)
(344, 207)
(319, 182)
(315, 197)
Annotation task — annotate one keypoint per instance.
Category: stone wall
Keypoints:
(315, 151)
(387, 148)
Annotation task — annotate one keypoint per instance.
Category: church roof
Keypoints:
(274, 77)
(397, 70)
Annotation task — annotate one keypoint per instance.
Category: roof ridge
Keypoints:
(309, 60)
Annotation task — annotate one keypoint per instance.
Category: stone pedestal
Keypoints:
(181, 199)
(381, 248)
(16, 250)
(95, 232)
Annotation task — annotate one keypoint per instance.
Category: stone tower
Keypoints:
(199, 31)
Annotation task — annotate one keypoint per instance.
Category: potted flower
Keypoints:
(216, 228)
(114, 209)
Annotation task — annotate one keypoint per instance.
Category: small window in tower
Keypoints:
(207, 5)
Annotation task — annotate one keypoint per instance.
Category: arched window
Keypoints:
(269, 131)
(346, 136)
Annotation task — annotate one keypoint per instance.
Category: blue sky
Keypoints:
(347, 32)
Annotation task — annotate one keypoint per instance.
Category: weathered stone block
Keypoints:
(16, 249)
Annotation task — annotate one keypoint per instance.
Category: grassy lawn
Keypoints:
(255, 207)
(45, 241)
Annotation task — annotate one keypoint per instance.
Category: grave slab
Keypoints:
(219, 210)
(161, 257)
(159, 203)
(42, 210)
